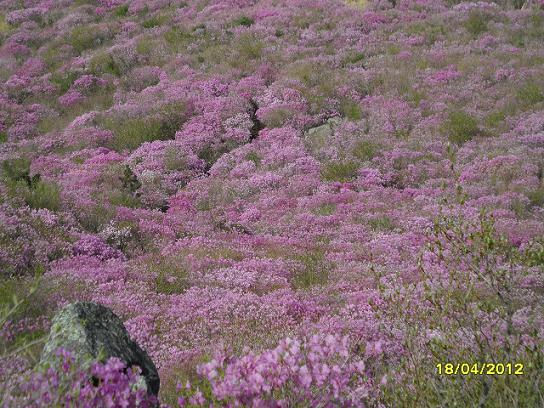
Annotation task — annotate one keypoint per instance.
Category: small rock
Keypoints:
(93, 332)
(323, 131)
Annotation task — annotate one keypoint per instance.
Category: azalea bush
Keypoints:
(228, 175)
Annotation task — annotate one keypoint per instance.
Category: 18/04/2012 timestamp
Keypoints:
(479, 369)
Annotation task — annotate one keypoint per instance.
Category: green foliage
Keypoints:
(536, 197)
(174, 160)
(471, 307)
(365, 150)
(460, 127)
(277, 117)
(17, 170)
(130, 181)
(325, 209)
(244, 21)
(178, 38)
(476, 23)
(3, 137)
(121, 11)
(95, 218)
(154, 21)
(129, 133)
(530, 94)
(381, 223)
(534, 253)
(22, 298)
(170, 277)
(103, 63)
(124, 199)
(36, 192)
(63, 81)
(210, 154)
(254, 157)
(353, 58)
(247, 48)
(495, 119)
(4, 26)
(83, 37)
(314, 270)
(351, 110)
(43, 194)
(339, 171)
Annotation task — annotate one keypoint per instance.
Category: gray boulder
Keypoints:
(93, 332)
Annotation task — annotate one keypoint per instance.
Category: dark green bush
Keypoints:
(129, 133)
(476, 23)
(103, 63)
(530, 94)
(460, 127)
(44, 194)
(244, 21)
(84, 37)
(153, 22)
(121, 11)
(339, 171)
(314, 270)
(63, 81)
(351, 110)
(365, 150)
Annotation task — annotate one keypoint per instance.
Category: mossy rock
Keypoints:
(93, 332)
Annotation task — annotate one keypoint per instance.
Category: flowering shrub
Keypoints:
(64, 383)
(226, 175)
(313, 372)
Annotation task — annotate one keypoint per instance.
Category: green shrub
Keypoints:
(82, 38)
(153, 22)
(536, 197)
(381, 223)
(3, 137)
(130, 133)
(351, 110)
(130, 181)
(121, 11)
(124, 199)
(63, 80)
(22, 298)
(210, 154)
(460, 127)
(178, 38)
(4, 26)
(103, 63)
(495, 119)
(530, 94)
(314, 270)
(15, 170)
(325, 209)
(277, 118)
(94, 219)
(170, 276)
(174, 160)
(353, 58)
(339, 171)
(476, 23)
(470, 308)
(244, 21)
(248, 47)
(254, 157)
(365, 150)
(45, 194)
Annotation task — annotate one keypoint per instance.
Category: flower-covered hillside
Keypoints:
(289, 202)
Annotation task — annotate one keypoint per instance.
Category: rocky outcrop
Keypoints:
(93, 332)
